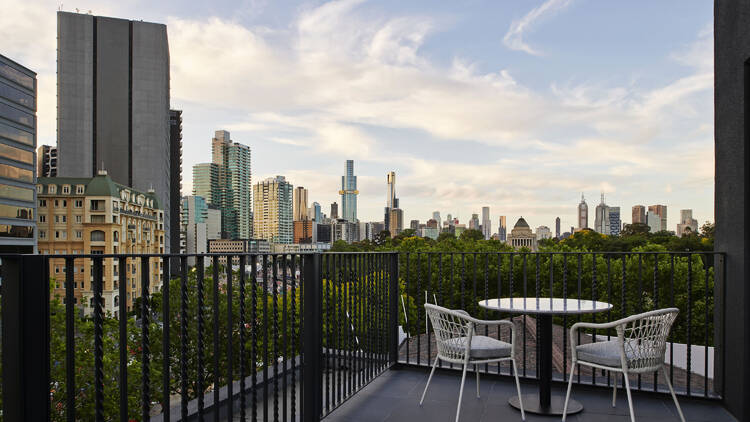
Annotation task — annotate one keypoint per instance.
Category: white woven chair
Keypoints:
(457, 342)
(639, 348)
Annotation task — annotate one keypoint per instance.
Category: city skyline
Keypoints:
(667, 74)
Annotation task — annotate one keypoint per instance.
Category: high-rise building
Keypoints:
(486, 223)
(601, 218)
(639, 214)
(615, 222)
(474, 222)
(206, 183)
(436, 216)
(349, 193)
(502, 229)
(521, 236)
(299, 204)
(175, 183)
(303, 231)
(316, 214)
(46, 161)
(272, 199)
(687, 224)
(543, 232)
(661, 211)
(200, 223)
(335, 211)
(557, 227)
(391, 178)
(396, 221)
(234, 182)
(345, 230)
(17, 143)
(583, 214)
(113, 103)
(654, 221)
(414, 225)
(96, 215)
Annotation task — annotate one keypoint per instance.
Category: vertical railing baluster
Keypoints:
(200, 276)
(689, 366)
(70, 344)
(122, 276)
(254, 336)
(275, 353)
(463, 280)
(349, 325)
(610, 299)
(417, 296)
(165, 346)
(215, 323)
(671, 304)
(284, 338)
(499, 295)
(243, 404)
(594, 282)
(265, 338)
(656, 306)
(579, 257)
(293, 353)
(565, 317)
(145, 344)
(623, 303)
(640, 296)
(183, 338)
(705, 327)
(486, 296)
(537, 293)
(406, 302)
(525, 295)
(230, 340)
(98, 343)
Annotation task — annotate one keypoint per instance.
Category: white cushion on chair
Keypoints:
(482, 347)
(605, 353)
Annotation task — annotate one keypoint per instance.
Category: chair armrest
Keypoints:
(590, 325)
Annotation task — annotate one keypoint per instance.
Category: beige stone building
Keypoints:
(521, 236)
(96, 215)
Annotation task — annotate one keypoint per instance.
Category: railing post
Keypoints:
(312, 334)
(720, 314)
(393, 310)
(25, 338)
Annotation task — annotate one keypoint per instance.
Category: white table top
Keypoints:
(544, 305)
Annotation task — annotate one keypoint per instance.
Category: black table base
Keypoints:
(555, 408)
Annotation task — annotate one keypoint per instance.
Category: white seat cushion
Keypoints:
(482, 347)
(605, 353)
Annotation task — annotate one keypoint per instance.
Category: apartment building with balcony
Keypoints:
(96, 215)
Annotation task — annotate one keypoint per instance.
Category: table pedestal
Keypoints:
(544, 403)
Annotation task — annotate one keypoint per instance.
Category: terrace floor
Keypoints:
(394, 396)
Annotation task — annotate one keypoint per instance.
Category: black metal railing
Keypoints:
(292, 336)
(256, 336)
(633, 282)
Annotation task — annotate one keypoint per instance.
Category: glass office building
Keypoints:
(17, 148)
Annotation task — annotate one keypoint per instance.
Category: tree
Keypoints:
(382, 238)
(635, 229)
(471, 235)
(707, 230)
(446, 236)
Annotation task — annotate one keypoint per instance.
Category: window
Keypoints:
(79, 218)
(66, 189)
(79, 234)
(64, 218)
(12, 133)
(11, 211)
(79, 190)
(97, 236)
(42, 203)
(42, 218)
(78, 203)
(57, 203)
(114, 219)
(7, 230)
(39, 188)
(7, 151)
(16, 76)
(42, 234)
(65, 203)
(57, 219)
(52, 189)
(61, 234)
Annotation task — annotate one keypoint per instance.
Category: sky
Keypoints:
(521, 106)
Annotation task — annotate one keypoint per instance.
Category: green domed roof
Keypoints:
(521, 223)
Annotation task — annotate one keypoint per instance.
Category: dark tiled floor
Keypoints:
(394, 396)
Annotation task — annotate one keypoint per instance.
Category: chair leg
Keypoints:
(614, 391)
(477, 372)
(434, 365)
(630, 400)
(461, 392)
(518, 387)
(567, 395)
(674, 397)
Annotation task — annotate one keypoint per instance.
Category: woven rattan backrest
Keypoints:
(645, 338)
(451, 331)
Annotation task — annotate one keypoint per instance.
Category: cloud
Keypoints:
(518, 28)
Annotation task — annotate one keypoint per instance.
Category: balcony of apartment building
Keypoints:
(345, 336)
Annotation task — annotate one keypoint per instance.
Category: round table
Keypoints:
(544, 403)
